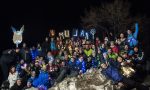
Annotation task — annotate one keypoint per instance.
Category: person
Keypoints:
(45, 46)
(20, 67)
(33, 76)
(121, 41)
(9, 57)
(13, 75)
(49, 57)
(62, 73)
(29, 86)
(53, 46)
(87, 51)
(34, 53)
(121, 81)
(25, 53)
(39, 49)
(114, 47)
(132, 38)
(72, 67)
(81, 65)
(17, 85)
(112, 55)
(42, 79)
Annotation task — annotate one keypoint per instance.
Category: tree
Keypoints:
(110, 17)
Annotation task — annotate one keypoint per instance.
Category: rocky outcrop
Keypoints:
(91, 80)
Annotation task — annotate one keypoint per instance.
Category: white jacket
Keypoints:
(12, 78)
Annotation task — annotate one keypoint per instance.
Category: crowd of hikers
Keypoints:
(48, 63)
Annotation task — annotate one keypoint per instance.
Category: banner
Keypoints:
(75, 33)
(67, 33)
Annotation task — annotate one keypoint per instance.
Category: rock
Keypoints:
(91, 80)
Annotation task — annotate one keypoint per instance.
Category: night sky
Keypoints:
(38, 17)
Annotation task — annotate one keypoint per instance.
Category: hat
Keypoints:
(30, 80)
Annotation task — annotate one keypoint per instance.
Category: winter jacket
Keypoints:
(72, 65)
(12, 78)
(113, 56)
(112, 73)
(115, 49)
(132, 38)
(94, 62)
(34, 54)
(43, 79)
(52, 46)
(81, 65)
(16, 87)
(88, 52)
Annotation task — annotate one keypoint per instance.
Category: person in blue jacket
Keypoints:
(72, 67)
(132, 38)
(34, 53)
(118, 79)
(81, 65)
(53, 47)
(43, 79)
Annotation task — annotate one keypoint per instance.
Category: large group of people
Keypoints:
(48, 63)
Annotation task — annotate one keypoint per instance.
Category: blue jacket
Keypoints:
(72, 65)
(43, 79)
(94, 62)
(81, 65)
(132, 38)
(112, 73)
(34, 54)
(52, 46)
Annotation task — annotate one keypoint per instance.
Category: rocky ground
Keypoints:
(92, 80)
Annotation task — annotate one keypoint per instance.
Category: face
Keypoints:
(99, 51)
(121, 35)
(18, 82)
(129, 32)
(24, 44)
(46, 39)
(109, 51)
(136, 49)
(49, 54)
(105, 55)
(13, 69)
(28, 84)
(56, 68)
(50, 63)
(66, 57)
(38, 45)
(119, 59)
(81, 59)
(17, 50)
(72, 59)
(33, 74)
(36, 64)
(124, 55)
(112, 43)
(63, 63)
(126, 47)
(93, 46)
(104, 66)
(87, 47)
(22, 61)
(103, 45)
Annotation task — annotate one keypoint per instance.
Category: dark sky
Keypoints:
(39, 16)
